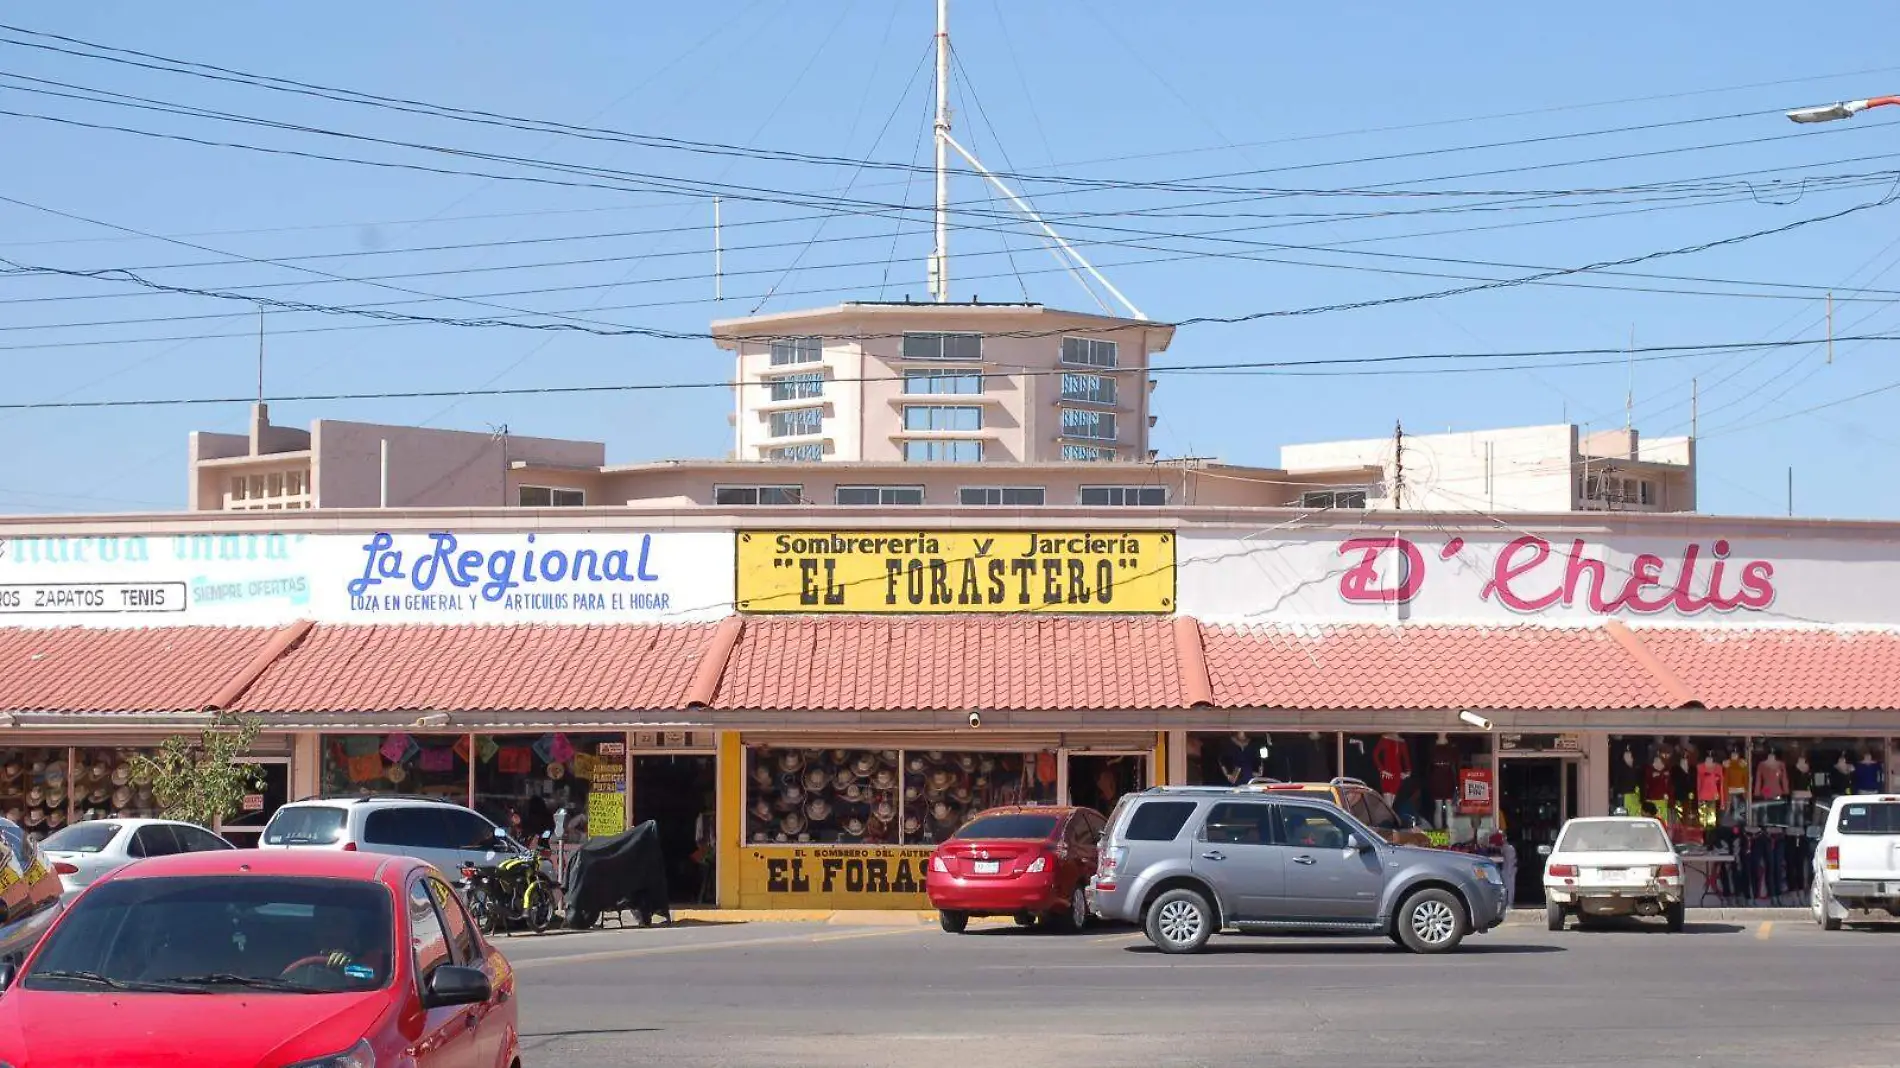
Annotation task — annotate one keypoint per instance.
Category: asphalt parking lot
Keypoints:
(1735, 994)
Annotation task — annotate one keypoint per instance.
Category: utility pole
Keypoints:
(1695, 407)
(1791, 491)
(940, 256)
(1398, 466)
(260, 354)
(719, 258)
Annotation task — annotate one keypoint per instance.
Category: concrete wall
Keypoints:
(1062, 484)
(428, 468)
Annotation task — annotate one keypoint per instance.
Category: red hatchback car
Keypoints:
(304, 959)
(1025, 861)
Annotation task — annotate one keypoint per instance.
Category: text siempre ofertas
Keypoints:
(956, 571)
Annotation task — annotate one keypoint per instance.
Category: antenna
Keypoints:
(940, 256)
(1629, 396)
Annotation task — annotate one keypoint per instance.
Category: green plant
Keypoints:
(204, 779)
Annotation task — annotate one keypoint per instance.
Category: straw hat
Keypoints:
(56, 819)
(35, 817)
(122, 774)
(99, 795)
(396, 773)
(557, 770)
(122, 797)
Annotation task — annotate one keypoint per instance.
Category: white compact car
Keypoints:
(1857, 861)
(1612, 866)
(82, 852)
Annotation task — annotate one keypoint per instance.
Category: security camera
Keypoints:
(1475, 720)
(976, 719)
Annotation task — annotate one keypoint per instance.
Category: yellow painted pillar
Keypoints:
(1160, 759)
(730, 770)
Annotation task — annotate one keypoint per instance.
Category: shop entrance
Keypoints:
(1098, 780)
(677, 793)
(1536, 795)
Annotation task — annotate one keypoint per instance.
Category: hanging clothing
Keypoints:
(1708, 781)
(1444, 771)
(1393, 758)
(1867, 777)
(1681, 780)
(1800, 781)
(1771, 780)
(1626, 776)
(1735, 774)
(1656, 783)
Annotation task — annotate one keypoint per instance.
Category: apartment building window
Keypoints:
(943, 451)
(941, 382)
(1082, 423)
(1001, 496)
(758, 494)
(1088, 352)
(892, 495)
(953, 347)
(796, 422)
(1618, 491)
(1333, 499)
(795, 350)
(942, 417)
(1088, 389)
(1116, 496)
(808, 386)
(797, 454)
(550, 497)
(1087, 453)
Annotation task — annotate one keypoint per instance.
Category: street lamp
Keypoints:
(1846, 109)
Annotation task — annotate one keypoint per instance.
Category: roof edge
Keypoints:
(1668, 681)
(713, 661)
(279, 643)
(1197, 685)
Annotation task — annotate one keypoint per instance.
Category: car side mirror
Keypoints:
(8, 972)
(1543, 851)
(1356, 844)
(455, 985)
(500, 833)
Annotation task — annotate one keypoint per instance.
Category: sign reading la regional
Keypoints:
(372, 577)
(1066, 571)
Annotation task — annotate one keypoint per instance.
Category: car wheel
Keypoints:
(1432, 921)
(1554, 916)
(1673, 915)
(1179, 921)
(953, 922)
(1025, 919)
(1072, 919)
(1819, 904)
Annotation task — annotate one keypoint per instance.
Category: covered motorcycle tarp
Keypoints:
(617, 872)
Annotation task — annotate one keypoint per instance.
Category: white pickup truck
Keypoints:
(1857, 863)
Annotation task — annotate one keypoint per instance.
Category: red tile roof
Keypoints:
(147, 669)
(1781, 669)
(929, 664)
(1425, 667)
(467, 668)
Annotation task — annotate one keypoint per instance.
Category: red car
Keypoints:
(304, 959)
(1024, 861)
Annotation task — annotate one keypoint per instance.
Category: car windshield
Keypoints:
(306, 825)
(1614, 838)
(92, 836)
(220, 934)
(1025, 825)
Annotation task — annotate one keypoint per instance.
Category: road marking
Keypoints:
(1765, 931)
(694, 947)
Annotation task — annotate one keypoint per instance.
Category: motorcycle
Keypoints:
(517, 891)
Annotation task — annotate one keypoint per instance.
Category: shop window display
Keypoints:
(434, 765)
(883, 797)
(1237, 757)
(109, 784)
(33, 789)
(529, 783)
(1422, 775)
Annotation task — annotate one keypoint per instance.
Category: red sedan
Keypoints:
(1025, 861)
(310, 959)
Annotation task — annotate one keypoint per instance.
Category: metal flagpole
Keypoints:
(940, 256)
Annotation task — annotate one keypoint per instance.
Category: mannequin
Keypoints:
(1708, 780)
(1657, 783)
(1682, 785)
(1238, 763)
(1314, 765)
(1836, 780)
(1800, 791)
(1444, 769)
(1771, 777)
(1867, 774)
(1735, 781)
(1625, 777)
(1393, 758)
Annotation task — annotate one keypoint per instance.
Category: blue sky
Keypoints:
(1275, 96)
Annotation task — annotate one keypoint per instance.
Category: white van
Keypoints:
(439, 832)
(1857, 863)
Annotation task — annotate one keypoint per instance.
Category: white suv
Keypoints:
(442, 833)
(1857, 864)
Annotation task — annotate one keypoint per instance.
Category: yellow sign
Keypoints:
(832, 877)
(607, 796)
(897, 572)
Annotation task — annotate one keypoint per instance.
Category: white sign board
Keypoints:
(1512, 576)
(269, 579)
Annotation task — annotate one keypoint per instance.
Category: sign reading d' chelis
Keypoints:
(912, 572)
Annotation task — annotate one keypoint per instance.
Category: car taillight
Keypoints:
(937, 864)
(1110, 860)
(60, 867)
(1669, 871)
(1562, 871)
(1834, 858)
(349, 847)
(1041, 864)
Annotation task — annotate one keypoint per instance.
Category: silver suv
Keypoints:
(1185, 862)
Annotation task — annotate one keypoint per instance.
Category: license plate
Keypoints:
(1614, 876)
(987, 867)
